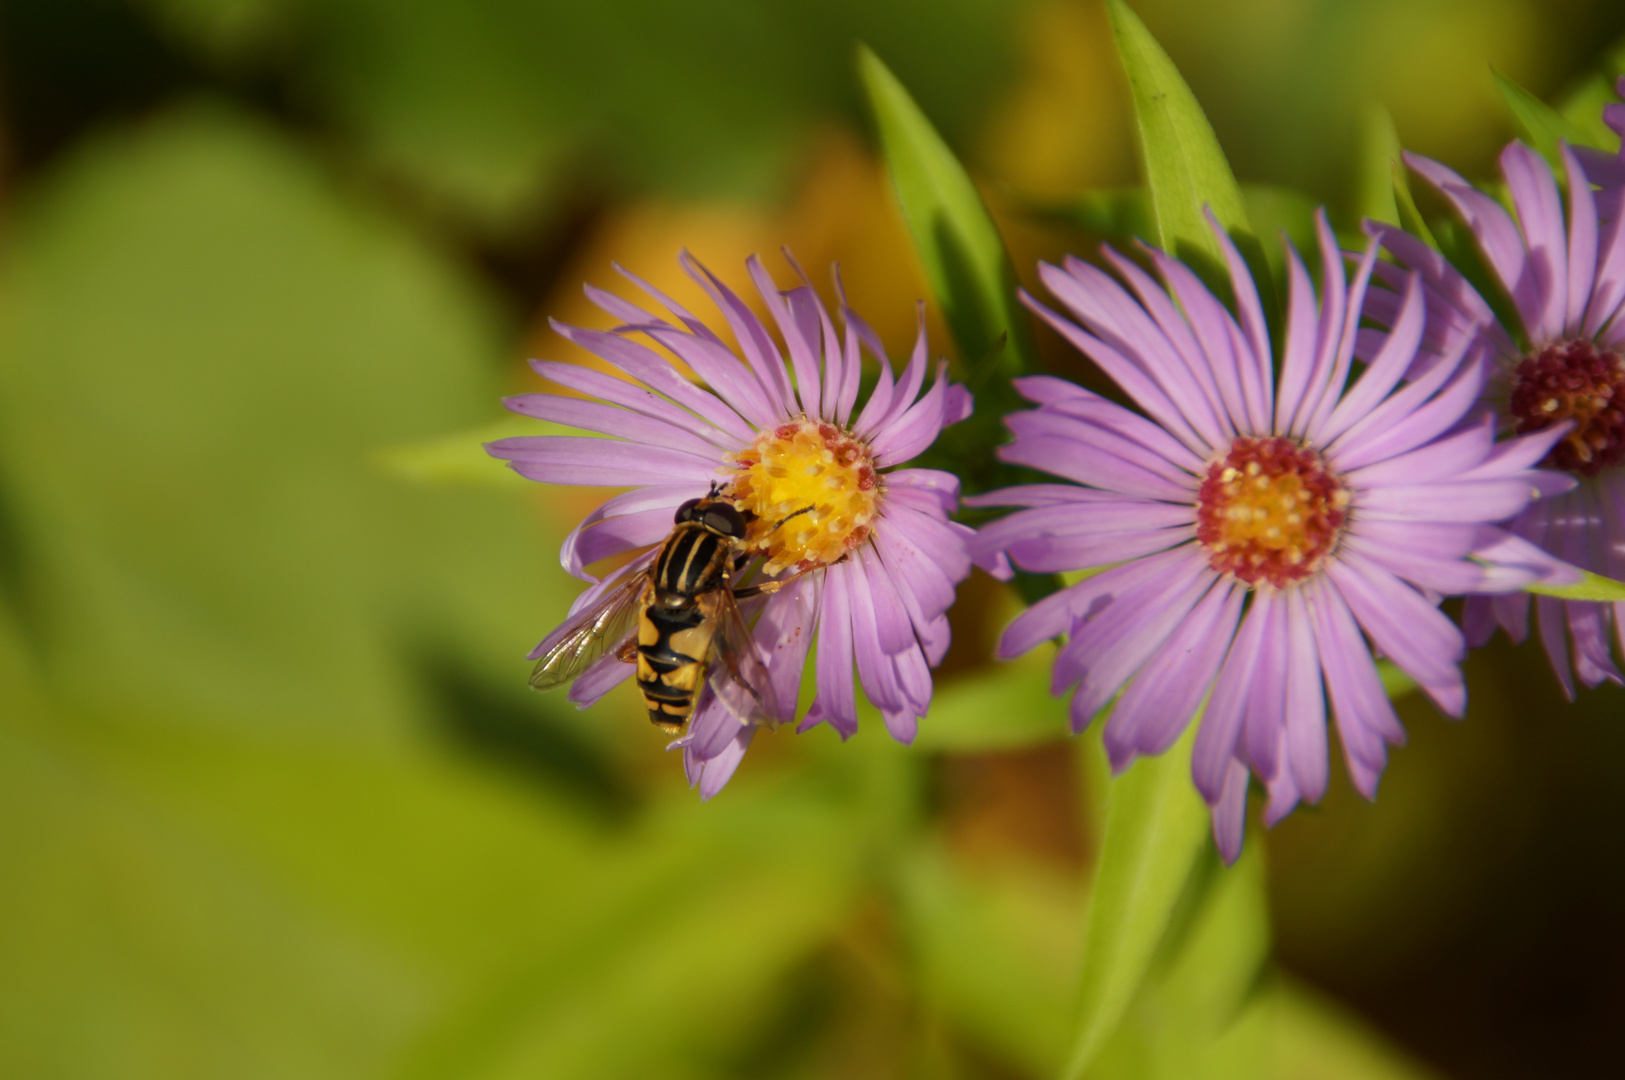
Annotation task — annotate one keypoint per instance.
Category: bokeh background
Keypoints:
(274, 799)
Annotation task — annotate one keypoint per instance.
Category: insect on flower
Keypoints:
(679, 621)
(786, 479)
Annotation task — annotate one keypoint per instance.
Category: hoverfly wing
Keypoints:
(600, 628)
(736, 674)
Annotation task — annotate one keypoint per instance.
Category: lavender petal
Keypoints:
(1220, 730)
(1230, 812)
(1165, 695)
(1542, 295)
(1493, 228)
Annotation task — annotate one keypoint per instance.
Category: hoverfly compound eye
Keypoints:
(686, 511)
(726, 520)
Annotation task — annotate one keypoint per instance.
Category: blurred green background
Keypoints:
(274, 800)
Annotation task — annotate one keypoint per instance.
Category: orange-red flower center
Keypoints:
(1574, 380)
(1270, 511)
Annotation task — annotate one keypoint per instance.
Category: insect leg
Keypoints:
(768, 588)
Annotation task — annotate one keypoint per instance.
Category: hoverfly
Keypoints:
(678, 619)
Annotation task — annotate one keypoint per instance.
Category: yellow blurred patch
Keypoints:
(842, 211)
(1065, 126)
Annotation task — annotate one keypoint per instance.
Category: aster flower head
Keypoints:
(867, 555)
(1556, 359)
(1258, 529)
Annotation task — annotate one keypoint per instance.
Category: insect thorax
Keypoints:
(694, 561)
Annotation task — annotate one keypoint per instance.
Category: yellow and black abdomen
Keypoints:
(672, 649)
(674, 633)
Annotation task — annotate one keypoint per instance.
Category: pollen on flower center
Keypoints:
(1270, 511)
(813, 489)
(1574, 380)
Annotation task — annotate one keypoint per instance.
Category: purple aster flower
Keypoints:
(1560, 365)
(866, 549)
(1258, 529)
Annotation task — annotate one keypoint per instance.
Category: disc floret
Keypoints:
(1270, 511)
(814, 490)
(1579, 381)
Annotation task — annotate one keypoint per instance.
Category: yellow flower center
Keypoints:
(813, 489)
(1270, 511)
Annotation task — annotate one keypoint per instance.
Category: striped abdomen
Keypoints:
(672, 648)
(674, 634)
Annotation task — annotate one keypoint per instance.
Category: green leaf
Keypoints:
(1379, 159)
(1008, 707)
(1156, 828)
(1315, 1036)
(1395, 682)
(460, 460)
(1582, 106)
(1410, 218)
(1072, 577)
(1197, 1016)
(960, 247)
(1591, 587)
(1541, 124)
(1185, 170)
(1118, 214)
(1275, 210)
(1583, 109)
(997, 951)
(1122, 215)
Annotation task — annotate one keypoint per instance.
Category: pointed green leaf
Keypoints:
(1410, 218)
(1591, 587)
(1197, 1015)
(460, 460)
(1185, 169)
(1583, 108)
(1156, 828)
(1583, 105)
(1315, 1036)
(1275, 211)
(1009, 706)
(1541, 124)
(1379, 157)
(1122, 215)
(1118, 214)
(997, 948)
(964, 257)
(1394, 680)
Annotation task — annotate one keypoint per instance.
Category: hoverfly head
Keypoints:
(721, 517)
